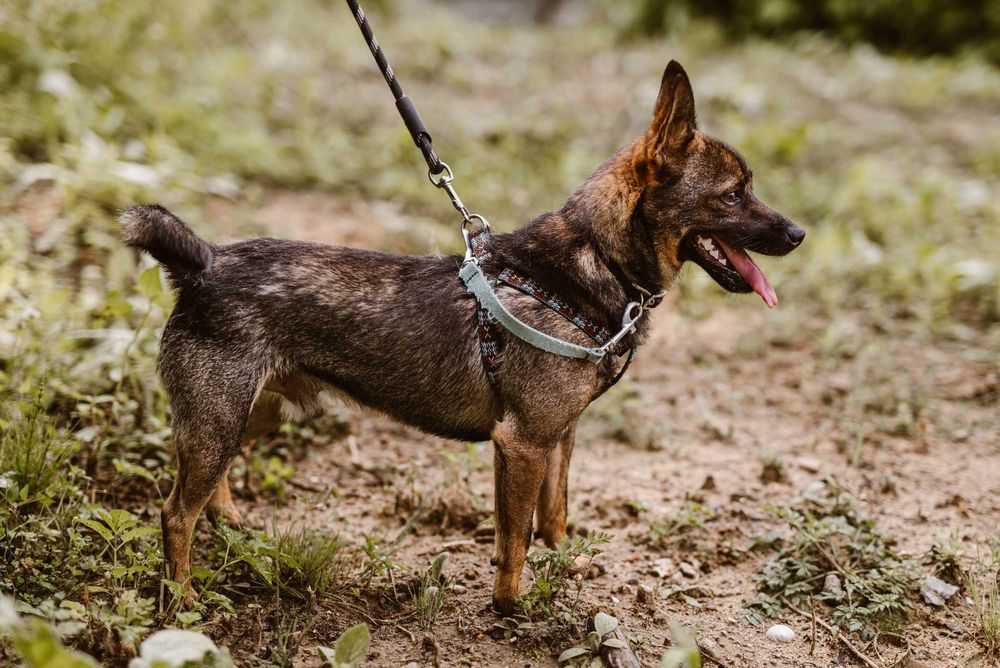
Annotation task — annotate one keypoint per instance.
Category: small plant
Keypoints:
(120, 529)
(589, 653)
(273, 473)
(312, 559)
(429, 592)
(34, 457)
(982, 580)
(553, 570)
(377, 562)
(831, 535)
(668, 526)
(37, 643)
(685, 653)
(349, 650)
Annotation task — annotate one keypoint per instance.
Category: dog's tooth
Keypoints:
(706, 243)
(714, 253)
(723, 261)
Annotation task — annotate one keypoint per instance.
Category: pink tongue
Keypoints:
(751, 273)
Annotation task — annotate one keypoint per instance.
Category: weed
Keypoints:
(377, 562)
(350, 649)
(685, 653)
(589, 653)
(35, 466)
(429, 592)
(312, 560)
(665, 527)
(831, 535)
(290, 634)
(273, 474)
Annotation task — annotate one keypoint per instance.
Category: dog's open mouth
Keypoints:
(732, 268)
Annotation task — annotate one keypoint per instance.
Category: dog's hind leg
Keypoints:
(551, 511)
(264, 418)
(209, 419)
(221, 506)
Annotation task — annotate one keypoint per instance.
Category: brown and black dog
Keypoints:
(269, 329)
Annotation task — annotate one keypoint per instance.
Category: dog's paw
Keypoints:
(503, 606)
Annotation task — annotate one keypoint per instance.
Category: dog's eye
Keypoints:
(731, 199)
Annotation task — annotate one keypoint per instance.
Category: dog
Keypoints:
(268, 329)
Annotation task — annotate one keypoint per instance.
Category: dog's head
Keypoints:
(698, 194)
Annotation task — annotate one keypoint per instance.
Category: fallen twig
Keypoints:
(899, 660)
(838, 635)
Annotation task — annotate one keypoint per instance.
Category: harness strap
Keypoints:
(475, 281)
(491, 314)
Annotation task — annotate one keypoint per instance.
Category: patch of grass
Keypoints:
(315, 560)
(35, 466)
(430, 591)
(665, 527)
(831, 536)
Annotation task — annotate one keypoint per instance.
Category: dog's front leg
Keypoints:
(551, 513)
(519, 468)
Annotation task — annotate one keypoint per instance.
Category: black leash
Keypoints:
(407, 109)
(476, 233)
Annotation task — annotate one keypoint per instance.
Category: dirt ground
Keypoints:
(708, 401)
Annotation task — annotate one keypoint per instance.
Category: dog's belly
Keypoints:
(393, 333)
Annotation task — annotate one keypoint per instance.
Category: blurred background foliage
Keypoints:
(888, 157)
(921, 27)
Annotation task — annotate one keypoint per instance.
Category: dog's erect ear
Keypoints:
(673, 116)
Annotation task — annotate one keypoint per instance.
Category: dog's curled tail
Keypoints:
(167, 238)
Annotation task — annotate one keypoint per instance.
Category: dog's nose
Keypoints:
(795, 234)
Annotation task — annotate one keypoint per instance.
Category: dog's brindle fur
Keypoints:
(268, 329)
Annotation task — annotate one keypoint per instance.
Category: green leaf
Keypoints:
(139, 532)
(351, 647)
(572, 653)
(149, 283)
(604, 624)
(102, 530)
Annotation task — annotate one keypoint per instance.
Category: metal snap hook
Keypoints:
(442, 179)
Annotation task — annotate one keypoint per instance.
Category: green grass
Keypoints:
(890, 163)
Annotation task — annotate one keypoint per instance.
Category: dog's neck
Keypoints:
(595, 250)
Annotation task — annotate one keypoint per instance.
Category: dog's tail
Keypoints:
(167, 238)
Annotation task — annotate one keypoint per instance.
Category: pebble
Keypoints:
(831, 585)
(780, 633)
(459, 589)
(688, 570)
(644, 594)
(662, 567)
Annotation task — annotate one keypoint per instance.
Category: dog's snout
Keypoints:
(795, 234)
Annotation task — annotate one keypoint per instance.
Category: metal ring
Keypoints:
(443, 179)
(474, 217)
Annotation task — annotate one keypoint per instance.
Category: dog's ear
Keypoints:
(673, 115)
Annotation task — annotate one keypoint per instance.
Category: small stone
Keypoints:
(633, 581)
(471, 574)
(459, 589)
(936, 591)
(660, 617)
(709, 483)
(810, 465)
(662, 567)
(644, 594)
(831, 585)
(688, 570)
(780, 633)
